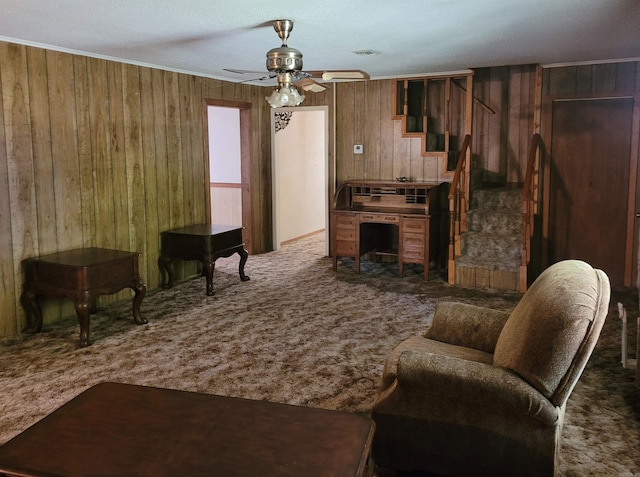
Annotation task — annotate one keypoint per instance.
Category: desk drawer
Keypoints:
(380, 218)
(414, 226)
(413, 256)
(345, 221)
(345, 248)
(413, 246)
(346, 234)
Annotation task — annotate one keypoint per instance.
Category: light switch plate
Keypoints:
(357, 148)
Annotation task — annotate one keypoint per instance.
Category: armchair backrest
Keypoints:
(551, 333)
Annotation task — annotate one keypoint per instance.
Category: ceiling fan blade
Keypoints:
(307, 84)
(242, 72)
(348, 74)
(344, 74)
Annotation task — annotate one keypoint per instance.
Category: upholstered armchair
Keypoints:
(484, 391)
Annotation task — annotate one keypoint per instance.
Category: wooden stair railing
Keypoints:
(530, 201)
(458, 206)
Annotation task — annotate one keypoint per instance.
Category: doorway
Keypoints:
(225, 165)
(300, 162)
(229, 130)
(590, 185)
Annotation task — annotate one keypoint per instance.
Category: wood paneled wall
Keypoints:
(501, 132)
(589, 80)
(503, 122)
(364, 116)
(100, 153)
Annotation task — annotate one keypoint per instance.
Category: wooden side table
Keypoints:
(203, 242)
(80, 275)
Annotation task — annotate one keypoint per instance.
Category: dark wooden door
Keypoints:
(589, 183)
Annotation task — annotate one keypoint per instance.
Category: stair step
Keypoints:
(507, 198)
(479, 277)
(509, 265)
(491, 246)
(502, 222)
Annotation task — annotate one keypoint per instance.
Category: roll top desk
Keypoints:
(392, 218)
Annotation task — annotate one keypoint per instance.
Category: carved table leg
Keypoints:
(243, 259)
(83, 309)
(33, 311)
(166, 267)
(140, 290)
(208, 266)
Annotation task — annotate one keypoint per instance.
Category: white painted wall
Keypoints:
(300, 165)
(224, 144)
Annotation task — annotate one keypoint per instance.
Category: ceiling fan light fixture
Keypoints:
(285, 96)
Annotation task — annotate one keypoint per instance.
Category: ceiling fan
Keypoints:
(285, 64)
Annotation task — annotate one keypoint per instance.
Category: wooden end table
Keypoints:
(203, 242)
(80, 275)
(121, 429)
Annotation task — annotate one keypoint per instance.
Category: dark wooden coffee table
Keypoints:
(80, 275)
(203, 242)
(120, 429)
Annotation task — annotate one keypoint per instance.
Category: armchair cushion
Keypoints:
(426, 345)
(481, 385)
(467, 325)
(552, 324)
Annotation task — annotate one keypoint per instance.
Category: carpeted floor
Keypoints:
(298, 333)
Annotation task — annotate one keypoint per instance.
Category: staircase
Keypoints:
(491, 248)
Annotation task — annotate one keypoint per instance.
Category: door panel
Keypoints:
(589, 183)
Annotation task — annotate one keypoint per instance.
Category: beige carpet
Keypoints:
(298, 333)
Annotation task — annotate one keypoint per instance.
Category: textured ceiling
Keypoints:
(412, 37)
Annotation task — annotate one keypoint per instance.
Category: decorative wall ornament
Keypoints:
(282, 119)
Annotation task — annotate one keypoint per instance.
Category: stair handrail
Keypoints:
(458, 206)
(530, 201)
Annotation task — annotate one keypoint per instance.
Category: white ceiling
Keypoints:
(413, 37)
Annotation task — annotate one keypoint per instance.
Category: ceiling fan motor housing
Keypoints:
(284, 59)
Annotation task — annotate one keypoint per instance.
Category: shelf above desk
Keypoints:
(406, 197)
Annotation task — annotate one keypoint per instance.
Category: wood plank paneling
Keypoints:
(100, 153)
(386, 129)
(64, 146)
(135, 177)
(85, 157)
(9, 316)
(103, 195)
(345, 132)
(20, 168)
(42, 154)
(118, 158)
(151, 192)
(372, 124)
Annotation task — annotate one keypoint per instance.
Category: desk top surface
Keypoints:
(405, 211)
(121, 429)
(395, 184)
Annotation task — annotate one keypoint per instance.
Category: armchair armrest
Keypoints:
(479, 384)
(467, 325)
